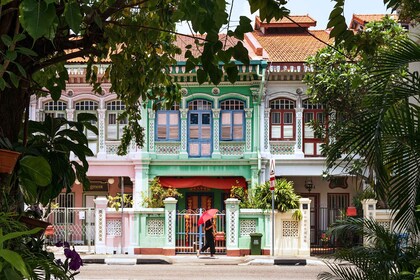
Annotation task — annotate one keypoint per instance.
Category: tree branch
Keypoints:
(157, 29)
(68, 56)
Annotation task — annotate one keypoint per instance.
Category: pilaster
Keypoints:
(100, 224)
(184, 117)
(101, 134)
(304, 248)
(232, 226)
(170, 229)
(216, 136)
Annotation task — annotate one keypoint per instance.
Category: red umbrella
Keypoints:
(207, 215)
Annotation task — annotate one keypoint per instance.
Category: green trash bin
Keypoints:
(255, 243)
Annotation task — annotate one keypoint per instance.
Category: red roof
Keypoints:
(292, 47)
(289, 21)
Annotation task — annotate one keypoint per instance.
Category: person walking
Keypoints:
(209, 232)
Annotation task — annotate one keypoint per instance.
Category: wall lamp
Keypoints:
(309, 185)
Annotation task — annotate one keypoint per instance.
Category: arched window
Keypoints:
(55, 109)
(167, 124)
(232, 122)
(115, 126)
(199, 128)
(282, 119)
(88, 106)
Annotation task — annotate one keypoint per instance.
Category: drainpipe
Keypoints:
(263, 66)
(122, 215)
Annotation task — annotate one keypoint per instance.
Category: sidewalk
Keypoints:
(191, 259)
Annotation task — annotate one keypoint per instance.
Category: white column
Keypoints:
(170, 229)
(305, 227)
(369, 212)
(100, 224)
(232, 224)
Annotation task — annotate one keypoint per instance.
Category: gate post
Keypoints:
(232, 227)
(101, 204)
(305, 227)
(170, 227)
(369, 212)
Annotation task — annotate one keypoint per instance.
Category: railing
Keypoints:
(74, 225)
(190, 237)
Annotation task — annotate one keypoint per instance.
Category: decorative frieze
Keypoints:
(167, 148)
(113, 227)
(247, 226)
(290, 229)
(155, 227)
(232, 149)
(282, 148)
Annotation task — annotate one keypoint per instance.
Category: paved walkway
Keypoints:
(191, 259)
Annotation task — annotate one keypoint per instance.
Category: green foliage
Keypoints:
(22, 256)
(408, 10)
(371, 124)
(45, 167)
(137, 39)
(389, 255)
(117, 201)
(285, 197)
(241, 193)
(158, 194)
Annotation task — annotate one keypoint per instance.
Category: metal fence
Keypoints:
(74, 225)
(321, 242)
(190, 237)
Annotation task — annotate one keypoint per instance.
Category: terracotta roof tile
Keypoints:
(372, 17)
(298, 19)
(292, 47)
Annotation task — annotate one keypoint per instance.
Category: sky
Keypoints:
(319, 10)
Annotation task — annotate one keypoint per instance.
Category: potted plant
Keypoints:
(158, 194)
(8, 157)
(118, 201)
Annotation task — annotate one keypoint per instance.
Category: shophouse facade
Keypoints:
(214, 138)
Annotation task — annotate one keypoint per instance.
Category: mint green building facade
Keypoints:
(213, 133)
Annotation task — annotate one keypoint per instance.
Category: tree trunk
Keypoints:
(12, 107)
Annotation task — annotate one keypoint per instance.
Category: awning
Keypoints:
(221, 183)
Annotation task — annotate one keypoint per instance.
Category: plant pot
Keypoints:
(8, 160)
(32, 223)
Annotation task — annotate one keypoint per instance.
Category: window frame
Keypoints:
(174, 110)
(238, 107)
(285, 106)
(119, 108)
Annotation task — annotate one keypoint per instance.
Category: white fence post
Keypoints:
(100, 224)
(369, 212)
(305, 227)
(232, 227)
(170, 220)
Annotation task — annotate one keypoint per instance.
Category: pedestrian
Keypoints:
(209, 231)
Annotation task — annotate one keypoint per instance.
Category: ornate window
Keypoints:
(55, 109)
(115, 125)
(313, 113)
(88, 106)
(232, 120)
(282, 119)
(200, 128)
(168, 124)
